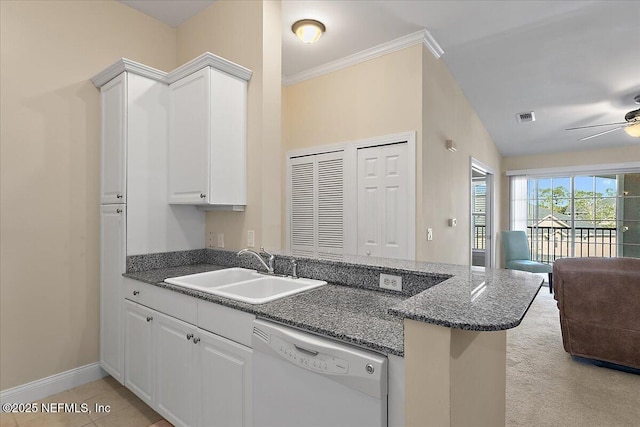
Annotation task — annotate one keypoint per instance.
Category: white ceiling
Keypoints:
(574, 63)
(172, 12)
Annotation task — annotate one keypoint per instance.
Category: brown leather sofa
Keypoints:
(599, 303)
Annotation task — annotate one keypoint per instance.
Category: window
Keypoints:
(586, 215)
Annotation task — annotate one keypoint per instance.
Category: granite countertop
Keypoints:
(470, 299)
(353, 315)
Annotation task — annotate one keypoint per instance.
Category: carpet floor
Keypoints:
(548, 387)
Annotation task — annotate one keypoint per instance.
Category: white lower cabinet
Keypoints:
(176, 345)
(138, 323)
(188, 375)
(225, 382)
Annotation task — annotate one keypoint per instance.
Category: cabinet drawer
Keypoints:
(230, 323)
(163, 300)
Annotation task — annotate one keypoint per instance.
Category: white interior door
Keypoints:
(383, 215)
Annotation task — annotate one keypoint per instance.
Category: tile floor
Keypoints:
(126, 410)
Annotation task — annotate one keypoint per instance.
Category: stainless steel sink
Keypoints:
(245, 285)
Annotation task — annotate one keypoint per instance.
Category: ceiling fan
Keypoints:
(631, 125)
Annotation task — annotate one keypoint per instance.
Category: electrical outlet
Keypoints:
(210, 237)
(429, 234)
(389, 281)
(221, 240)
(453, 222)
(251, 238)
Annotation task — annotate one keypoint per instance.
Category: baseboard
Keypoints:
(48, 386)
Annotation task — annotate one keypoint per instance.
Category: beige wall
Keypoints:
(446, 177)
(378, 97)
(50, 135)
(403, 91)
(566, 159)
(248, 33)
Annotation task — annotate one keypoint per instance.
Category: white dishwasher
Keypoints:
(301, 380)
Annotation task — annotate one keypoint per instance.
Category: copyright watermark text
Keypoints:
(54, 408)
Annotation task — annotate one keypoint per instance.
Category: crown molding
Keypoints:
(422, 36)
(124, 64)
(432, 44)
(207, 59)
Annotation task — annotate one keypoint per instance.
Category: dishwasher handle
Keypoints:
(306, 351)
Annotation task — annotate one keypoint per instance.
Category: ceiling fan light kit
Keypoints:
(631, 125)
(633, 130)
(308, 30)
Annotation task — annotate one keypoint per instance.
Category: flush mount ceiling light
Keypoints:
(308, 30)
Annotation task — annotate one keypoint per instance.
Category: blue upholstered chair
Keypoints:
(517, 256)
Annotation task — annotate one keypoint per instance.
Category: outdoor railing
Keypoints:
(479, 237)
(548, 244)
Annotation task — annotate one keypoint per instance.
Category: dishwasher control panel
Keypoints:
(309, 359)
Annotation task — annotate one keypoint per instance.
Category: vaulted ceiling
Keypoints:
(575, 63)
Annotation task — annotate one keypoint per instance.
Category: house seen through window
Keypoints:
(579, 216)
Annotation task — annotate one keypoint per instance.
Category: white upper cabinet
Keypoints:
(113, 182)
(207, 139)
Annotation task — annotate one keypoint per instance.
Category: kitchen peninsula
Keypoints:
(449, 322)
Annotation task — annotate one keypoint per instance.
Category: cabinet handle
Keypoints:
(189, 336)
(118, 196)
(118, 210)
(202, 196)
(196, 340)
(135, 293)
(149, 318)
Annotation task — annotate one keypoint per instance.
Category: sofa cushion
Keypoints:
(530, 266)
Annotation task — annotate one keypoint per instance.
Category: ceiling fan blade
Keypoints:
(600, 133)
(595, 126)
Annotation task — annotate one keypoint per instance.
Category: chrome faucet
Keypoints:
(272, 259)
(268, 267)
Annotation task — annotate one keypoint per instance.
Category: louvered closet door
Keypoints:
(317, 204)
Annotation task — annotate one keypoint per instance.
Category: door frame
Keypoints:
(490, 220)
(350, 149)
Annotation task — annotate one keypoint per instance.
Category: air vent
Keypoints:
(529, 116)
(261, 334)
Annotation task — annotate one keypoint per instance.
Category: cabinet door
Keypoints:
(138, 357)
(113, 180)
(175, 370)
(112, 265)
(189, 138)
(225, 382)
(228, 174)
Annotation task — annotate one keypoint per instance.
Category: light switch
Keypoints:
(453, 222)
(221, 240)
(251, 238)
(429, 234)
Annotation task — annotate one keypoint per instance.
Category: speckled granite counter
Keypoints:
(350, 314)
(452, 296)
